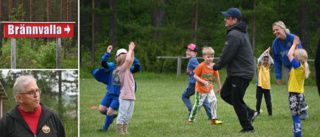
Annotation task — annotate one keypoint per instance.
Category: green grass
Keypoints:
(159, 111)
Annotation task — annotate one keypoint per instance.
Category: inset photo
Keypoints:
(39, 34)
(39, 103)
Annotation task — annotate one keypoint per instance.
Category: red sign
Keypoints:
(38, 29)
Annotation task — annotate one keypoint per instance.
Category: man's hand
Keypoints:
(211, 65)
(109, 49)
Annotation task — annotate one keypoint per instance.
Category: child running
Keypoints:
(265, 64)
(204, 88)
(300, 71)
(191, 54)
(127, 95)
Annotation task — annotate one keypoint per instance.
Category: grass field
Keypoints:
(159, 111)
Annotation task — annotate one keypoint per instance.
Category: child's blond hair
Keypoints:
(207, 51)
(120, 60)
(302, 56)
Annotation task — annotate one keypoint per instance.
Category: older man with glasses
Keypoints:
(30, 117)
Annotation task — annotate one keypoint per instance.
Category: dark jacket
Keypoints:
(12, 124)
(237, 53)
(317, 66)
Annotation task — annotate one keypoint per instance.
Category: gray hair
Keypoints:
(21, 82)
(281, 25)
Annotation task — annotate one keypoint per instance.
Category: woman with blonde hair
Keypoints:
(280, 48)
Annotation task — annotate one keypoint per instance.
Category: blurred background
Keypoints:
(164, 27)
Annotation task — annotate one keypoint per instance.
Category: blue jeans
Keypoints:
(187, 93)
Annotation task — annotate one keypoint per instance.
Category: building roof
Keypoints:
(3, 93)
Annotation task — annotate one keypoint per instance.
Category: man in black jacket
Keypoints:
(237, 55)
(30, 118)
(317, 66)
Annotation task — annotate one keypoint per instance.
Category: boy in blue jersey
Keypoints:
(191, 54)
(110, 102)
(280, 47)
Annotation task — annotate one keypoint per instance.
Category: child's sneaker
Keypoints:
(189, 122)
(216, 121)
(304, 115)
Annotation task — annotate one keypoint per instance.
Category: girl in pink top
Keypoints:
(127, 95)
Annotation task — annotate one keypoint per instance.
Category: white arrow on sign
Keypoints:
(67, 29)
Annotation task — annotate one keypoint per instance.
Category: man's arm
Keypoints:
(228, 53)
(3, 130)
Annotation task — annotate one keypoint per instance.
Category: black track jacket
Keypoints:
(12, 124)
(237, 54)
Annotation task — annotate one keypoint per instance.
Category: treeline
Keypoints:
(39, 11)
(164, 27)
(59, 91)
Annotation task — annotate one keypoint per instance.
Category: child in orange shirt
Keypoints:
(204, 88)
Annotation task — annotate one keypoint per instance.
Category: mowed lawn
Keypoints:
(159, 111)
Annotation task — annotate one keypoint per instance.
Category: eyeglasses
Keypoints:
(227, 18)
(32, 92)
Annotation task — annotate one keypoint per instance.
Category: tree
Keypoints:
(35, 10)
(93, 38)
(158, 17)
(49, 14)
(10, 10)
(31, 19)
(317, 16)
(60, 93)
(113, 23)
(195, 21)
(254, 26)
(304, 24)
(42, 11)
(1, 27)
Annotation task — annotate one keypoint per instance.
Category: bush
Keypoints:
(47, 58)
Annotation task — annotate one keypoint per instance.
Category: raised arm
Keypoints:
(130, 56)
(105, 57)
(271, 63)
(293, 47)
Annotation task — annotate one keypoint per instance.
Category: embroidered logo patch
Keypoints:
(46, 129)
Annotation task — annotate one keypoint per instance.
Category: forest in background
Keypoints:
(39, 52)
(163, 27)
